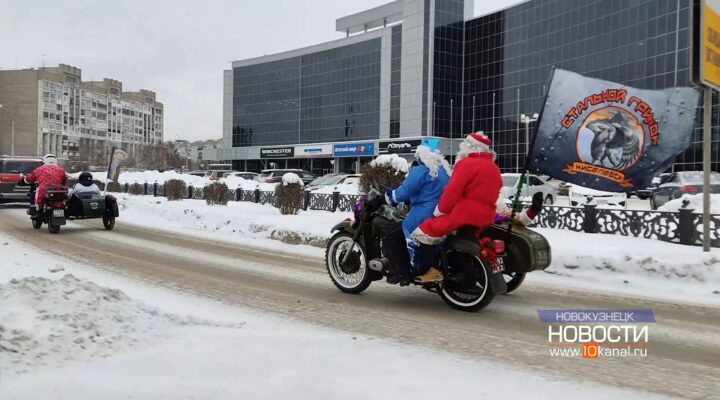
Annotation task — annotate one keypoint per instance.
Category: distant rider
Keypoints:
(422, 188)
(48, 174)
(85, 186)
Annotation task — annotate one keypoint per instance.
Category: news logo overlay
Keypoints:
(597, 333)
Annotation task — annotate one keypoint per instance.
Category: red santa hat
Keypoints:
(478, 142)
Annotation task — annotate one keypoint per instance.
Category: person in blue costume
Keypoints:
(422, 188)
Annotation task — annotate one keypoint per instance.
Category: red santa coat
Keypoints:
(45, 175)
(469, 198)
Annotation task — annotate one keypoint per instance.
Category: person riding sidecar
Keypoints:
(85, 188)
(422, 189)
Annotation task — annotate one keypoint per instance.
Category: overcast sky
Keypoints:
(178, 48)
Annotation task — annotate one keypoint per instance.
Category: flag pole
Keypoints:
(707, 126)
(523, 176)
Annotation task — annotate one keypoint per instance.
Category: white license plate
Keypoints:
(58, 213)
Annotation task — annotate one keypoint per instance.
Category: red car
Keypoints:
(10, 170)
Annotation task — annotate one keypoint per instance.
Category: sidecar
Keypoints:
(527, 251)
(87, 206)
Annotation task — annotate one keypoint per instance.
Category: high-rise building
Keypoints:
(51, 110)
(417, 68)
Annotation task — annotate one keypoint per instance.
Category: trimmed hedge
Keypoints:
(136, 188)
(216, 194)
(379, 178)
(175, 189)
(289, 198)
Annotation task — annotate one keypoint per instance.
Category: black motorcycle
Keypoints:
(56, 208)
(472, 267)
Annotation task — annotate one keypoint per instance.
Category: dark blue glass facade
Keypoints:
(509, 56)
(330, 95)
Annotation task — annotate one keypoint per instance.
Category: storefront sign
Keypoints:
(277, 152)
(323, 150)
(354, 149)
(399, 146)
(710, 43)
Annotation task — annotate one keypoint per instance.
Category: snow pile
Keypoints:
(239, 220)
(161, 177)
(236, 182)
(290, 178)
(695, 203)
(46, 322)
(617, 263)
(391, 160)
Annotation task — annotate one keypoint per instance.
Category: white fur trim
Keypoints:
(437, 212)
(421, 237)
(524, 219)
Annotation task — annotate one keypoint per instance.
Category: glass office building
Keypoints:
(509, 56)
(416, 68)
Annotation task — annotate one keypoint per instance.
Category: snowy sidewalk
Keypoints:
(95, 335)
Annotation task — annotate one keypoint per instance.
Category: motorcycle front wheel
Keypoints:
(475, 297)
(353, 276)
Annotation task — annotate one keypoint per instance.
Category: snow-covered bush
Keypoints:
(289, 195)
(694, 202)
(216, 193)
(175, 189)
(386, 171)
(136, 188)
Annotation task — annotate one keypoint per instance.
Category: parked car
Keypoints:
(214, 175)
(676, 184)
(346, 184)
(275, 175)
(196, 173)
(332, 180)
(580, 196)
(10, 170)
(245, 175)
(645, 193)
(561, 187)
(533, 185)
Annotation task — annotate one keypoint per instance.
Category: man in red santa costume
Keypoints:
(469, 199)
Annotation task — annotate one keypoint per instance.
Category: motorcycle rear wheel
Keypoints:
(470, 302)
(53, 228)
(355, 276)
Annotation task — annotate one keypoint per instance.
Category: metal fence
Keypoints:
(682, 227)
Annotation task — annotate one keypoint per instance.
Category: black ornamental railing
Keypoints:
(681, 227)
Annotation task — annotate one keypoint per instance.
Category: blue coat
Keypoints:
(422, 191)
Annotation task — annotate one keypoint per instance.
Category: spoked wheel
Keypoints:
(353, 276)
(36, 223)
(513, 280)
(471, 295)
(108, 222)
(53, 228)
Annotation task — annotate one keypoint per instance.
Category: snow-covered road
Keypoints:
(684, 349)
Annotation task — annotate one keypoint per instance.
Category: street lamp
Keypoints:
(527, 120)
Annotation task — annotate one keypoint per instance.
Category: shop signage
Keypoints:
(354, 149)
(399, 146)
(710, 43)
(314, 151)
(277, 152)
